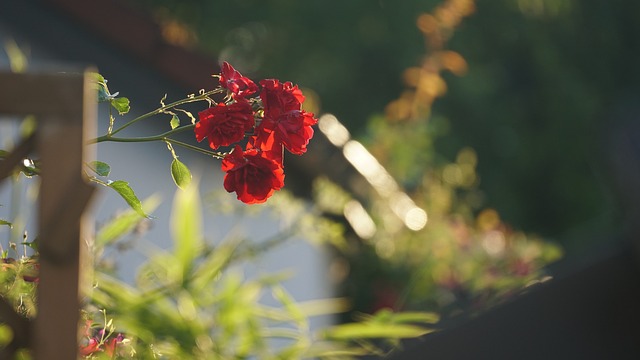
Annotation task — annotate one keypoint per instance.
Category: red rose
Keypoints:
(239, 85)
(224, 124)
(284, 121)
(252, 176)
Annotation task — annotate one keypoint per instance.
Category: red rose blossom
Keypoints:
(284, 120)
(239, 85)
(225, 124)
(252, 176)
(265, 141)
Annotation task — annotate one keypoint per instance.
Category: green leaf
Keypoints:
(5, 222)
(124, 223)
(123, 188)
(186, 226)
(175, 122)
(290, 306)
(415, 317)
(121, 104)
(214, 262)
(100, 168)
(354, 331)
(32, 244)
(6, 335)
(101, 85)
(180, 173)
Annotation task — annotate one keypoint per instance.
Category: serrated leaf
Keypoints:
(180, 174)
(100, 168)
(121, 104)
(175, 122)
(123, 188)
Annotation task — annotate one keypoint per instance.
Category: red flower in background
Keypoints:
(233, 81)
(225, 124)
(284, 120)
(93, 346)
(252, 176)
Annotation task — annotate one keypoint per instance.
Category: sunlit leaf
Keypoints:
(101, 85)
(28, 126)
(186, 225)
(290, 306)
(175, 122)
(123, 188)
(323, 306)
(216, 261)
(415, 317)
(180, 174)
(5, 222)
(18, 61)
(6, 335)
(124, 223)
(121, 104)
(32, 244)
(100, 168)
(354, 331)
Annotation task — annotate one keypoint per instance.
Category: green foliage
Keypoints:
(121, 104)
(189, 302)
(126, 192)
(186, 227)
(180, 174)
(175, 122)
(544, 80)
(123, 223)
(100, 168)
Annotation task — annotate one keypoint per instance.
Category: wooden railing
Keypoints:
(65, 109)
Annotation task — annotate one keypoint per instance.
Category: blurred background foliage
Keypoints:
(494, 116)
(541, 83)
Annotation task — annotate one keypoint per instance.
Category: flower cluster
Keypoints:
(271, 116)
(96, 341)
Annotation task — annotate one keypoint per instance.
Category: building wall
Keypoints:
(52, 43)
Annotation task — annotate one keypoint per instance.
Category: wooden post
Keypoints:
(65, 108)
